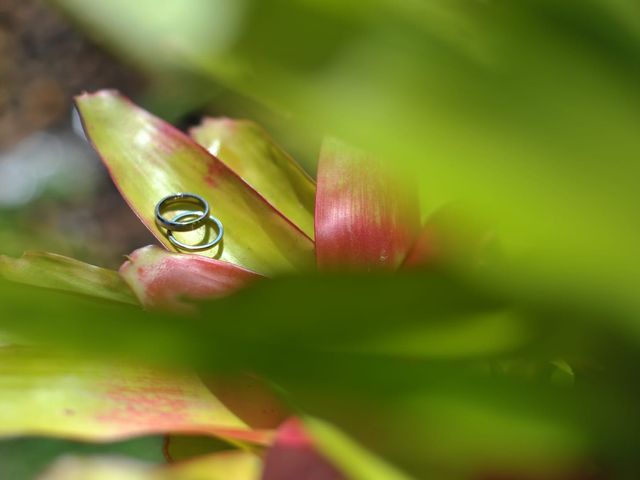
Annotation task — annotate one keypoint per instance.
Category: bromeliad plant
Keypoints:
(276, 220)
(362, 220)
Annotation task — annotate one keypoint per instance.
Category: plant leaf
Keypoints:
(178, 448)
(149, 159)
(364, 219)
(234, 465)
(314, 449)
(50, 270)
(248, 150)
(294, 455)
(43, 393)
(162, 279)
(259, 329)
(250, 397)
(347, 455)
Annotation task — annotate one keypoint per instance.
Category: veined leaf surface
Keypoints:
(364, 219)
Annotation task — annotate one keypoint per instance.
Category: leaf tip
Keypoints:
(106, 92)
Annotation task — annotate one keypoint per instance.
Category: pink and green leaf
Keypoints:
(354, 461)
(294, 455)
(165, 280)
(149, 159)
(251, 399)
(312, 448)
(365, 218)
(49, 270)
(44, 393)
(250, 152)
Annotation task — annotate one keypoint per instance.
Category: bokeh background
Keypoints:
(55, 194)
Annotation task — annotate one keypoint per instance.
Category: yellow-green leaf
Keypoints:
(345, 454)
(149, 159)
(235, 465)
(42, 393)
(250, 152)
(49, 270)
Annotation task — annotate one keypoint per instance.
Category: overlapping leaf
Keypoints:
(294, 455)
(247, 149)
(49, 270)
(354, 461)
(404, 395)
(149, 159)
(222, 466)
(452, 240)
(167, 280)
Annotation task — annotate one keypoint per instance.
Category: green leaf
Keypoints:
(365, 219)
(249, 151)
(294, 455)
(50, 270)
(178, 448)
(168, 280)
(220, 466)
(44, 393)
(267, 313)
(259, 330)
(148, 159)
(349, 457)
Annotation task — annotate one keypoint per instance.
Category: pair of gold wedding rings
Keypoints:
(188, 220)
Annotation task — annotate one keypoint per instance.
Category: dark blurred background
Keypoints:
(54, 192)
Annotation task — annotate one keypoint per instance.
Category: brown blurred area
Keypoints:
(43, 63)
(54, 193)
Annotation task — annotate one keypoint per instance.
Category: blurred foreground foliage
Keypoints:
(526, 114)
(492, 400)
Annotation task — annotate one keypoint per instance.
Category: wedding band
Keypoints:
(202, 214)
(195, 248)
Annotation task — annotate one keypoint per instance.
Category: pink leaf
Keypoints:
(161, 279)
(364, 220)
